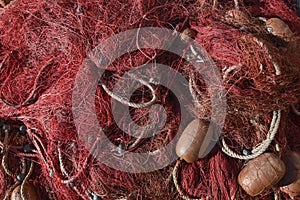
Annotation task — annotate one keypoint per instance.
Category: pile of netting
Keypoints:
(44, 43)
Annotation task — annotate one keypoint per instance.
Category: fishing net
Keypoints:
(44, 43)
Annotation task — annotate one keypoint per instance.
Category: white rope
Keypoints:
(4, 165)
(192, 83)
(193, 92)
(261, 148)
(175, 180)
(229, 69)
(276, 194)
(236, 4)
(5, 154)
(61, 163)
(126, 102)
(275, 64)
(137, 141)
(65, 173)
(22, 192)
(196, 54)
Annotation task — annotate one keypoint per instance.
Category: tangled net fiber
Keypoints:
(43, 43)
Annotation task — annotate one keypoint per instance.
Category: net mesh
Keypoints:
(43, 44)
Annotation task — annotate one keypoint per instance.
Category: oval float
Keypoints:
(196, 141)
(279, 28)
(261, 173)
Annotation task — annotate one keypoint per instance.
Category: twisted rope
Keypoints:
(61, 163)
(175, 180)
(24, 181)
(236, 4)
(131, 104)
(261, 148)
(65, 173)
(275, 64)
(5, 154)
(5, 166)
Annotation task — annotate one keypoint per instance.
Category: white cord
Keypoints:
(275, 64)
(175, 180)
(261, 148)
(61, 163)
(126, 102)
(276, 194)
(236, 4)
(193, 92)
(230, 69)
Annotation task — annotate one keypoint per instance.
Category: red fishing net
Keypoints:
(43, 44)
